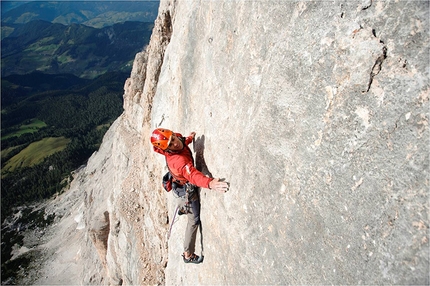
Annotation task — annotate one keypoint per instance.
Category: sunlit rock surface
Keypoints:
(317, 115)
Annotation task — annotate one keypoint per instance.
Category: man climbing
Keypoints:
(186, 179)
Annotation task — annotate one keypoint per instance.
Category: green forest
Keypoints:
(77, 49)
(51, 124)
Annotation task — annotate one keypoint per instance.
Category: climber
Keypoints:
(186, 179)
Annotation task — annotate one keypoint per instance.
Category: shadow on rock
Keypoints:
(199, 147)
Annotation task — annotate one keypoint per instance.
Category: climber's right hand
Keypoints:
(219, 186)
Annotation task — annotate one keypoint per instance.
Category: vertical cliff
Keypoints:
(317, 115)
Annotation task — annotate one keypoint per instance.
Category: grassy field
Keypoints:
(6, 151)
(36, 152)
(101, 126)
(27, 128)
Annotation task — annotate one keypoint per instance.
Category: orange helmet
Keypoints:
(160, 138)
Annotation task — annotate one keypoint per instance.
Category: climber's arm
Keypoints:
(197, 178)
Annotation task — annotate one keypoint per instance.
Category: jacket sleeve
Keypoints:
(188, 140)
(195, 176)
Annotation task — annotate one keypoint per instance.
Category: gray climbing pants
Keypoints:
(192, 211)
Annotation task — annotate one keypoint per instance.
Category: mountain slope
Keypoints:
(77, 49)
(317, 115)
(96, 14)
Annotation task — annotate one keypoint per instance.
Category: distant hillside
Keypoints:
(76, 49)
(38, 106)
(97, 14)
(15, 88)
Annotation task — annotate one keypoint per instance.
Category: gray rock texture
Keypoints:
(317, 114)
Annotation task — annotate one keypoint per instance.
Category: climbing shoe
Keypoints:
(193, 259)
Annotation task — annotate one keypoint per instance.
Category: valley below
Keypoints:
(62, 88)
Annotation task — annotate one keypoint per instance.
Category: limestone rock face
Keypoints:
(315, 112)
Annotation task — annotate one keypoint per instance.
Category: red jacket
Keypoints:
(181, 165)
